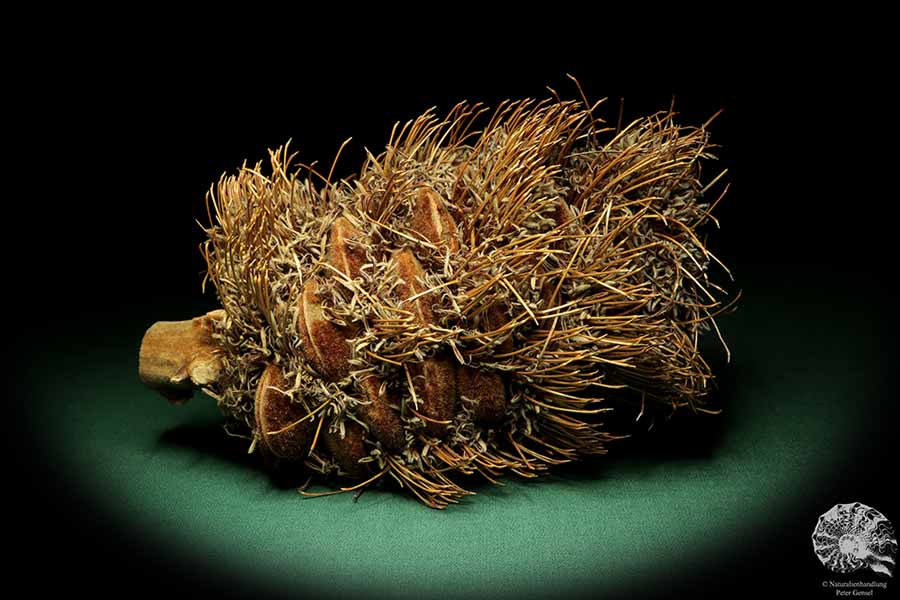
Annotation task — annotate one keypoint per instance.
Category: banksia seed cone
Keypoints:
(471, 303)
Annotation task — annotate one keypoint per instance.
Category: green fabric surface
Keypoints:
(170, 477)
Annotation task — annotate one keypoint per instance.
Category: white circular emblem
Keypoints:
(853, 536)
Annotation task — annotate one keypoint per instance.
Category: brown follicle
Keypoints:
(349, 449)
(410, 274)
(485, 390)
(323, 344)
(431, 218)
(565, 217)
(177, 357)
(345, 252)
(383, 421)
(434, 381)
(281, 424)
(493, 319)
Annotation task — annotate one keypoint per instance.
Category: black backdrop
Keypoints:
(125, 139)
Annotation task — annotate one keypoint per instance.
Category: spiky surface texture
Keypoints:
(474, 299)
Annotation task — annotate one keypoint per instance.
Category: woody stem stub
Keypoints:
(177, 357)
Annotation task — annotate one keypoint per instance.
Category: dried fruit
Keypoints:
(322, 343)
(281, 427)
(472, 302)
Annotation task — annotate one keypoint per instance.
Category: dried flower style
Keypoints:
(471, 303)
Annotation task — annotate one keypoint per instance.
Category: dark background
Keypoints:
(129, 134)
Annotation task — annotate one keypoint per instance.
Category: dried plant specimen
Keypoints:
(472, 302)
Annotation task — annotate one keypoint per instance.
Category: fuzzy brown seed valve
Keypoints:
(410, 273)
(485, 391)
(431, 218)
(323, 344)
(434, 380)
(493, 319)
(279, 420)
(348, 450)
(345, 250)
(383, 421)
